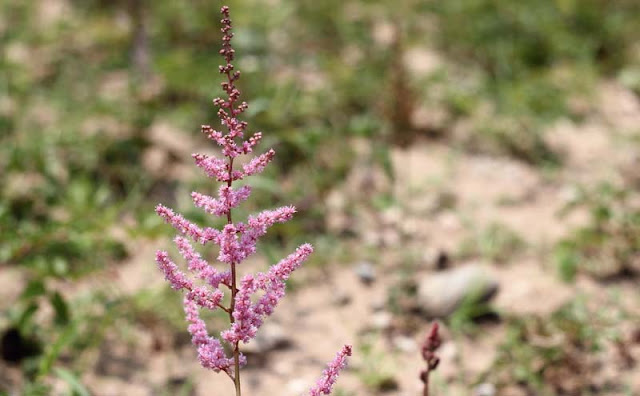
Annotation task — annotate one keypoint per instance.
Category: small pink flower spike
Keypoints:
(210, 351)
(248, 315)
(330, 374)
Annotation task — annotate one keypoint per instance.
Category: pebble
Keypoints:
(485, 389)
(381, 320)
(405, 344)
(378, 302)
(366, 272)
(440, 294)
(437, 259)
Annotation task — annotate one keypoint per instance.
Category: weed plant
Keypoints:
(609, 244)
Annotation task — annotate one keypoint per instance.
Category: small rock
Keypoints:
(485, 389)
(378, 302)
(366, 273)
(442, 261)
(440, 294)
(405, 344)
(381, 320)
(270, 337)
(437, 259)
(569, 195)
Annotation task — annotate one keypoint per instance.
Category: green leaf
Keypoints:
(61, 309)
(382, 155)
(35, 288)
(53, 351)
(25, 317)
(77, 388)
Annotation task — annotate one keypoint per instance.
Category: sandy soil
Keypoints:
(484, 190)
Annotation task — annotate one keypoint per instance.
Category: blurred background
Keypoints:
(474, 161)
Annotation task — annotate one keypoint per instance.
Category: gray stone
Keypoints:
(440, 294)
(437, 259)
(381, 321)
(378, 302)
(405, 344)
(366, 272)
(485, 389)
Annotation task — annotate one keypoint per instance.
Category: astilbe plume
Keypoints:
(255, 296)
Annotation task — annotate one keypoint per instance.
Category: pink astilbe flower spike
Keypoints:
(246, 322)
(250, 316)
(230, 251)
(256, 295)
(228, 198)
(206, 298)
(216, 168)
(257, 164)
(273, 283)
(257, 226)
(247, 146)
(330, 374)
(200, 266)
(177, 279)
(212, 134)
(210, 351)
(185, 227)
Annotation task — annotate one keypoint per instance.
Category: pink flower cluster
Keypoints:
(255, 296)
(330, 374)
